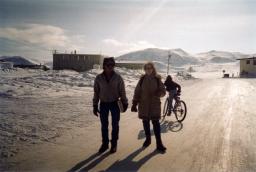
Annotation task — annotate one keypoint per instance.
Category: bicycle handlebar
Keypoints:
(177, 94)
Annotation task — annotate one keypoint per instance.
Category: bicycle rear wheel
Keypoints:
(180, 110)
(166, 108)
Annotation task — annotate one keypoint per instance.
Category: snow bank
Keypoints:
(184, 76)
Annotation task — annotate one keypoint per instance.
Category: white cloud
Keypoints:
(112, 42)
(45, 36)
(113, 45)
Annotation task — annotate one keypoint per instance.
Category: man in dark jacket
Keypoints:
(172, 87)
(108, 89)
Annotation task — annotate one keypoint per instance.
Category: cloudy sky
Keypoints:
(34, 28)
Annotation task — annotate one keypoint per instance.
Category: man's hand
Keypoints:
(125, 106)
(134, 108)
(95, 110)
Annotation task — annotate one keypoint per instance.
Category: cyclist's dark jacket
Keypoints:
(171, 85)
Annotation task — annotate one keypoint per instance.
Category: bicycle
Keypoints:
(179, 108)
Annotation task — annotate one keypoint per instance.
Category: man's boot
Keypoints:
(147, 141)
(113, 146)
(160, 147)
(103, 148)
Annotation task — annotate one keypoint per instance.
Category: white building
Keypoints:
(248, 67)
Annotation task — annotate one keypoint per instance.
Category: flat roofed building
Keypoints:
(77, 62)
(248, 67)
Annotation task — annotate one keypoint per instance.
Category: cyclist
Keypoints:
(173, 88)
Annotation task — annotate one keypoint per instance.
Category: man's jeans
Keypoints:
(172, 94)
(105, 108)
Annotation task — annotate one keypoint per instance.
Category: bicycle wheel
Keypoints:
(166, 107)
(180, 110)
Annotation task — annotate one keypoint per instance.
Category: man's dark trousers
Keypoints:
(105, 108)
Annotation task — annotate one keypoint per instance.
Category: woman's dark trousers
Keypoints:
(157, 130)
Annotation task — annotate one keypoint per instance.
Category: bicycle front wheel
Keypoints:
(180, 110)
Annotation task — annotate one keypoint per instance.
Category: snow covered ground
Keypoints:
(213, 70)
(39, 106)
(47, 124)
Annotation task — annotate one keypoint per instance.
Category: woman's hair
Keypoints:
(152, 66)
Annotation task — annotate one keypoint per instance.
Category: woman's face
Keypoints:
(148, 69)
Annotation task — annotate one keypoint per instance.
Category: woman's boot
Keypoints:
(146, 126)
(157, 130)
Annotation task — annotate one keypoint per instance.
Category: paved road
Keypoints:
(219, 134)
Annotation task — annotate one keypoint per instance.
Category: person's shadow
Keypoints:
(128, 164)
(90, 162)
(165, 127)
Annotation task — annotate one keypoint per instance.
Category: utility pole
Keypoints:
(54, 51)
(169, 59)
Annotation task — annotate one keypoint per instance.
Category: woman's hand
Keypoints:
(134, 108)
(159, 93)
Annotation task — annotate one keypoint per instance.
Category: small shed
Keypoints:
(135, 65)
(6, 65)
(248, 67)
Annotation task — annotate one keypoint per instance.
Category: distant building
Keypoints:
(6, 65)
(130, 64)
(248, 67)
(77, 62)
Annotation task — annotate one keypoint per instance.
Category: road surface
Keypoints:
(219, 134)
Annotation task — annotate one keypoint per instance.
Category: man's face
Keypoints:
(109, 67)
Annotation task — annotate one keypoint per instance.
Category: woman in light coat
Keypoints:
(147, 96)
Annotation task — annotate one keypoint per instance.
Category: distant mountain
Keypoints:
(17, 60)
(220, 56)
(178, 56)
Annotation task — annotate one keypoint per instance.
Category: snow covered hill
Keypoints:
(220, 56)
(179, 56)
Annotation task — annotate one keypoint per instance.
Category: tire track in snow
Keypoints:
(228, 118)
(227, 137)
